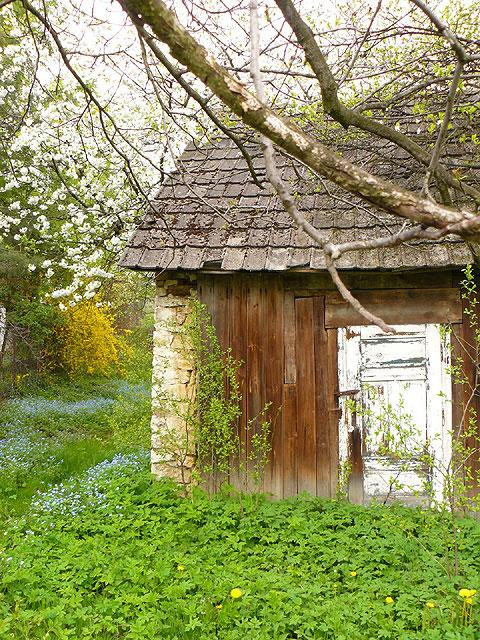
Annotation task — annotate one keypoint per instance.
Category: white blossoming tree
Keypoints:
(67, 193)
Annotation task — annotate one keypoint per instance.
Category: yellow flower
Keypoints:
(467, 593)
(469, 600)
(218, 606)
(236, 593)
(389, 600)
(180, 567)
(353, 573)
(430, 605)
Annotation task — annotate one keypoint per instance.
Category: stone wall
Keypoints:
(173, 389)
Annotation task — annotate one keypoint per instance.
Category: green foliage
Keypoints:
(217, 402)
(30, 344)
(15, 280)
(39, 321)
(145, 563)
(58, 427)
(129, 421)
(213, 412)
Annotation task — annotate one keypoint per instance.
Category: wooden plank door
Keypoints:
(312, 454)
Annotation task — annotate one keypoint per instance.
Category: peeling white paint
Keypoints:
(3, 325)
(407, 371)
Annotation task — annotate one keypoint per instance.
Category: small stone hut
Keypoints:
(214, 232)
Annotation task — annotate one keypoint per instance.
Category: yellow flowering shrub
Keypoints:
(89, 341)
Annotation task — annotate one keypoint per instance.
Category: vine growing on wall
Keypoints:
(218, 396)
(212, 412)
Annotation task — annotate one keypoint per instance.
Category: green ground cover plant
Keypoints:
(113, 554)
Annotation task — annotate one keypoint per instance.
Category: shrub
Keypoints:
(30, 342)
(89, 341)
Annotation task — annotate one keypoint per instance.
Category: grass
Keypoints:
(68, 459)
(62, 427)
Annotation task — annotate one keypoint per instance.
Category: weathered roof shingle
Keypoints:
(211, 215)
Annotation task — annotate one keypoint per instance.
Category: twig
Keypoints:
(359, 48)
(178, 75)
(102, 113)
(463, 57)
(460, 51)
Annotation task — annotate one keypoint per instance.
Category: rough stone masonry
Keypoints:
(173, 390)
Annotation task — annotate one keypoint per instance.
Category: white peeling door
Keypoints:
(402, 391)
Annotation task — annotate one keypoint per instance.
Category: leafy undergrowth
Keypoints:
(112, 554)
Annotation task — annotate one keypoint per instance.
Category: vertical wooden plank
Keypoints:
(238, 340)
(306, 410)
(221, 310)
(322, 388)
(289, 338)
(461, 392)
(355, 458)
(457, 393)
(273, 375)
(289, 414)
(254, 365)
(206, 292)
(222, 330)
(205, 288)
(468, 351)
(332, 407)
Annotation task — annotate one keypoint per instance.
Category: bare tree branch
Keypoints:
(442, 134)
(362, 42)
(460, 51)
(177, 74)
(349, 117)
(287, 135)
(463, 57)
(103, 113)
(281, 189)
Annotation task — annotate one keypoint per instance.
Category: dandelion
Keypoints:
(430, 605)
(180, 567)
(353, 573)
(389, 600)
(236, 593)
(218, 606)
(467, 596)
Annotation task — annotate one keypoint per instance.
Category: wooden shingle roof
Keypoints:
(211, 215)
